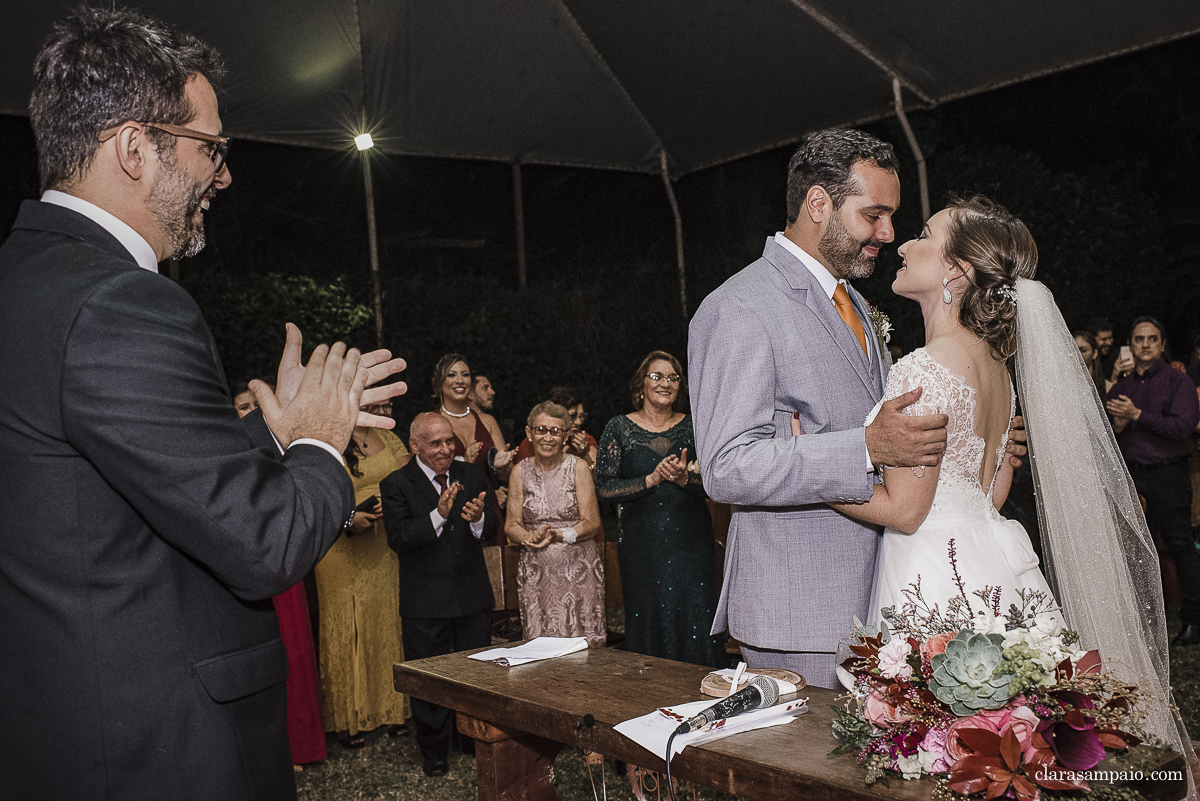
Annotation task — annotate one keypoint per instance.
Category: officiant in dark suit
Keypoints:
(143, 528)
(436, 510)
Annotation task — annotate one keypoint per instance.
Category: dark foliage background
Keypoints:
(1094, 160)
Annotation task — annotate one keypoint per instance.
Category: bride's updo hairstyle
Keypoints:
(1000, 248)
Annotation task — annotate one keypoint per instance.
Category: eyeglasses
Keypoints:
(542, 431)
(578, 417)
(673, 378)
(220, 144)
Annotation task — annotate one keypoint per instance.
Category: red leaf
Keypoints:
(1039, 742)
(1026, 790)
(1064, 670)
(981, 741)
(973, 766)
(1010, 749)
(997, 789)
(998, 773)
(1088, 663)
(1112, 741)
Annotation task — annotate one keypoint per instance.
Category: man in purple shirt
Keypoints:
(1154, 412)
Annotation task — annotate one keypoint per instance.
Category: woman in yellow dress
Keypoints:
(358, 594)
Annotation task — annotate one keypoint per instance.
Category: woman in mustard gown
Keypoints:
(358, 593)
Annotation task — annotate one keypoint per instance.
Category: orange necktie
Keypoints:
(845, 307)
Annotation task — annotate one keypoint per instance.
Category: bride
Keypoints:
(970, 270)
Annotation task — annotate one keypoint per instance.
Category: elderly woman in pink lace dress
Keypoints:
(560, 578)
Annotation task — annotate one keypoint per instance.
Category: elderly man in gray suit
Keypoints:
(789, 336)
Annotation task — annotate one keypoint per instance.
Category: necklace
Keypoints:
(452, 414)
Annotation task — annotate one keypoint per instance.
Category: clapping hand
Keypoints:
(578, 441)
(504, 457)
(1122, 408)
(540, 539)
(378, 365)
(446, 500)
(472, 452)
(473, 509)
(325, 404)
(673, 468)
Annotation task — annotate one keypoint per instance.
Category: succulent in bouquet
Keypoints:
(989, 701)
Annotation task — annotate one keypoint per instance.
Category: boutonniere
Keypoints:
(881, 324)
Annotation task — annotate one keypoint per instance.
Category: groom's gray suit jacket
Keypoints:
(766, 343)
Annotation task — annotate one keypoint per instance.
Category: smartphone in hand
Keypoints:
(368, 506)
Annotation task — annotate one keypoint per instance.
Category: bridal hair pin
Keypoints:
(1007, 292)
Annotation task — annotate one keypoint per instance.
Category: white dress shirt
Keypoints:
(435, 516)
(143, 254)
(829, 284)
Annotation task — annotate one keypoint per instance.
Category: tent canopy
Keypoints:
(610, 83)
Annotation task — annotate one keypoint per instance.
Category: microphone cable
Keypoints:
(670, 783)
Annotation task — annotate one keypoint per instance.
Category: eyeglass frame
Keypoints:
(673, 378)
(219, 155)
(542, 431)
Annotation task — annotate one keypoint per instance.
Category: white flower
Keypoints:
(927, 759)
(1046, 626)
(893, 659)
(909, 766)
(987, 623)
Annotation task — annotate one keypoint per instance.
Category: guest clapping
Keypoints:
(667, 554)
(560, 578)
(475, 432)
(360, 627)
(577, 441)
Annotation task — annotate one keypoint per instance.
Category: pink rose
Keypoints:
(1021, 720)
(893, 659)
(936, 644)
(933, 751)
(881, 712)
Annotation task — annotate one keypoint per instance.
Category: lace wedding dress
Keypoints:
(988, 550)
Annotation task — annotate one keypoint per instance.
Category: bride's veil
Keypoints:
(1099, 556)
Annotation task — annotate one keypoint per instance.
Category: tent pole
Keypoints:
(666, 178)
(916, 148)
(374, 248)
(519, 210)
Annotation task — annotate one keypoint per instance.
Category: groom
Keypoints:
(788, 335)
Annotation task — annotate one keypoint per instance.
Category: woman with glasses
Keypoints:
(358, 593)
(560, 580)
(578, 441)
(667, 556)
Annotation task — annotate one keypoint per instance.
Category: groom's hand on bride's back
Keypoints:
(1017, 437)
(905, 440)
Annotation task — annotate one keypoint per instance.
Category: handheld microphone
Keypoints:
(760, 692)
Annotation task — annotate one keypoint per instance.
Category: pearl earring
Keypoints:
(946, 298)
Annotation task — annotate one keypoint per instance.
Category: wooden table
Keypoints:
(523, 716)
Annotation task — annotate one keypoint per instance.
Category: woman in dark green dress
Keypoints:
(667, 556)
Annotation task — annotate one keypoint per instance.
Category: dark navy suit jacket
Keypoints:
(142, 535)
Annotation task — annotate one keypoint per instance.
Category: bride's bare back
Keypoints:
(972, 360)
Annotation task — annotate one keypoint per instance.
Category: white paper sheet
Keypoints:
(535, 650)
(653, 730)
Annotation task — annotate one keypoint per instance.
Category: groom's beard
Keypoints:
(844, 253)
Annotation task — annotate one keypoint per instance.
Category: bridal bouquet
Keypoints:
(989, 701)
